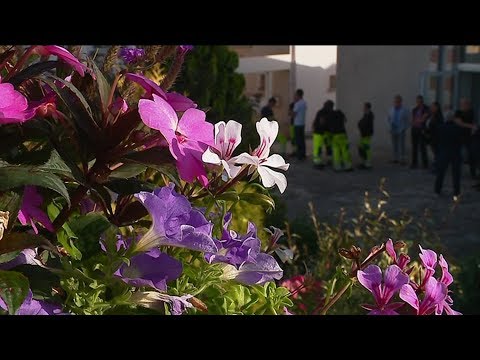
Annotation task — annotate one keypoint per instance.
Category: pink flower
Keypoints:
(446, 279)
(13, 105)
(227, 137)
(31, 211)
(394, 279)
(429, 261)
(402, 260)
(63, 55)
(118, 107)
(187, 138)
(261, 161)
(435, 295)
(177, 101)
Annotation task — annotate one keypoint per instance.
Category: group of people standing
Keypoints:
(448, 135)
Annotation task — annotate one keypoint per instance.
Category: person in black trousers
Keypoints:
(449, 153)
(465, 118)
(420, 113)
(433, 123)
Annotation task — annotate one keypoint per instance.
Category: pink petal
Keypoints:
(446, 278)
(391, 250)
(435, 293)
(408, 295)
(179, 102)
(195, 128)
(159, 115)
(66, 56)
(189, 164)
(371, 278)
(150, 86)
(394, 280)
(428, 257)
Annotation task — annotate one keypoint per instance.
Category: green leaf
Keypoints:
(128, 171)
(152, 156)
(128, 186)
(55, 164)
(11, 201)
(68, 245)
(77, 93)
(8, 256)
(19, 241)
(102, 83)
(230, 195)
(16, 176)
(13, 289)
(258, 199)
(89, 229)
(32, 71)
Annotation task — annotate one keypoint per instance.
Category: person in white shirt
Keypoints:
(299, 111)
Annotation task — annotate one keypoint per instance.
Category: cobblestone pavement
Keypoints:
(410, 189)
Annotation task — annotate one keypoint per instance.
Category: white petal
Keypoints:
(268, 131)
(220, 135)
(270, 178)
(245, 158)
(210, 157)
(230, 168)
(276, 161)
(233, 137)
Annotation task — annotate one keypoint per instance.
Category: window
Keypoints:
(471, 53)
(472, 49)
(332, 83)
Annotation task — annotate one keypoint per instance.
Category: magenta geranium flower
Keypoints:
(13, 105)
(177, 101)
(383, 291)
(30, 306)
(63, 55)
(402, 260)
(188, 138)
(429, 261)
(174, 222)
(153, 269)
(31, 210)
(446, 279)
(435, 295)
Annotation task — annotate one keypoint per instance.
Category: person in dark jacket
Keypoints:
(365, 125)
(449, 153)
(431, 134)
(319, 130)
(420, 113)
(465, 117)
(267, 110)
(340, 146)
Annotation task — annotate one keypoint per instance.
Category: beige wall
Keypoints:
(260, 50)
(376, 73)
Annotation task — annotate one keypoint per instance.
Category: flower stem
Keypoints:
(336, 298)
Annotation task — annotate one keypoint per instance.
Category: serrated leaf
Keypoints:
(32, 71)
(77, 93)
(19, 241)
(258, 199)
(16, 176)
(102, 83)
(56, 165)
(13, 289)
(128, 171)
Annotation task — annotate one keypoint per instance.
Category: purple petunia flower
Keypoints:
(383, 291)
(153, 269)
(155, 300)
(31, 306)
(236, 249)
(264, 269)
(27, 256)
(131, 55)
(174, 222)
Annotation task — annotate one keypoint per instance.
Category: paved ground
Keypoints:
(409, 189)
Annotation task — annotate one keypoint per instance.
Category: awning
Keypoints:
(261, 64)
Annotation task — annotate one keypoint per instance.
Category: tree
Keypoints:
(209, 78)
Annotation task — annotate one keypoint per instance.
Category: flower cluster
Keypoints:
(432, 292)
